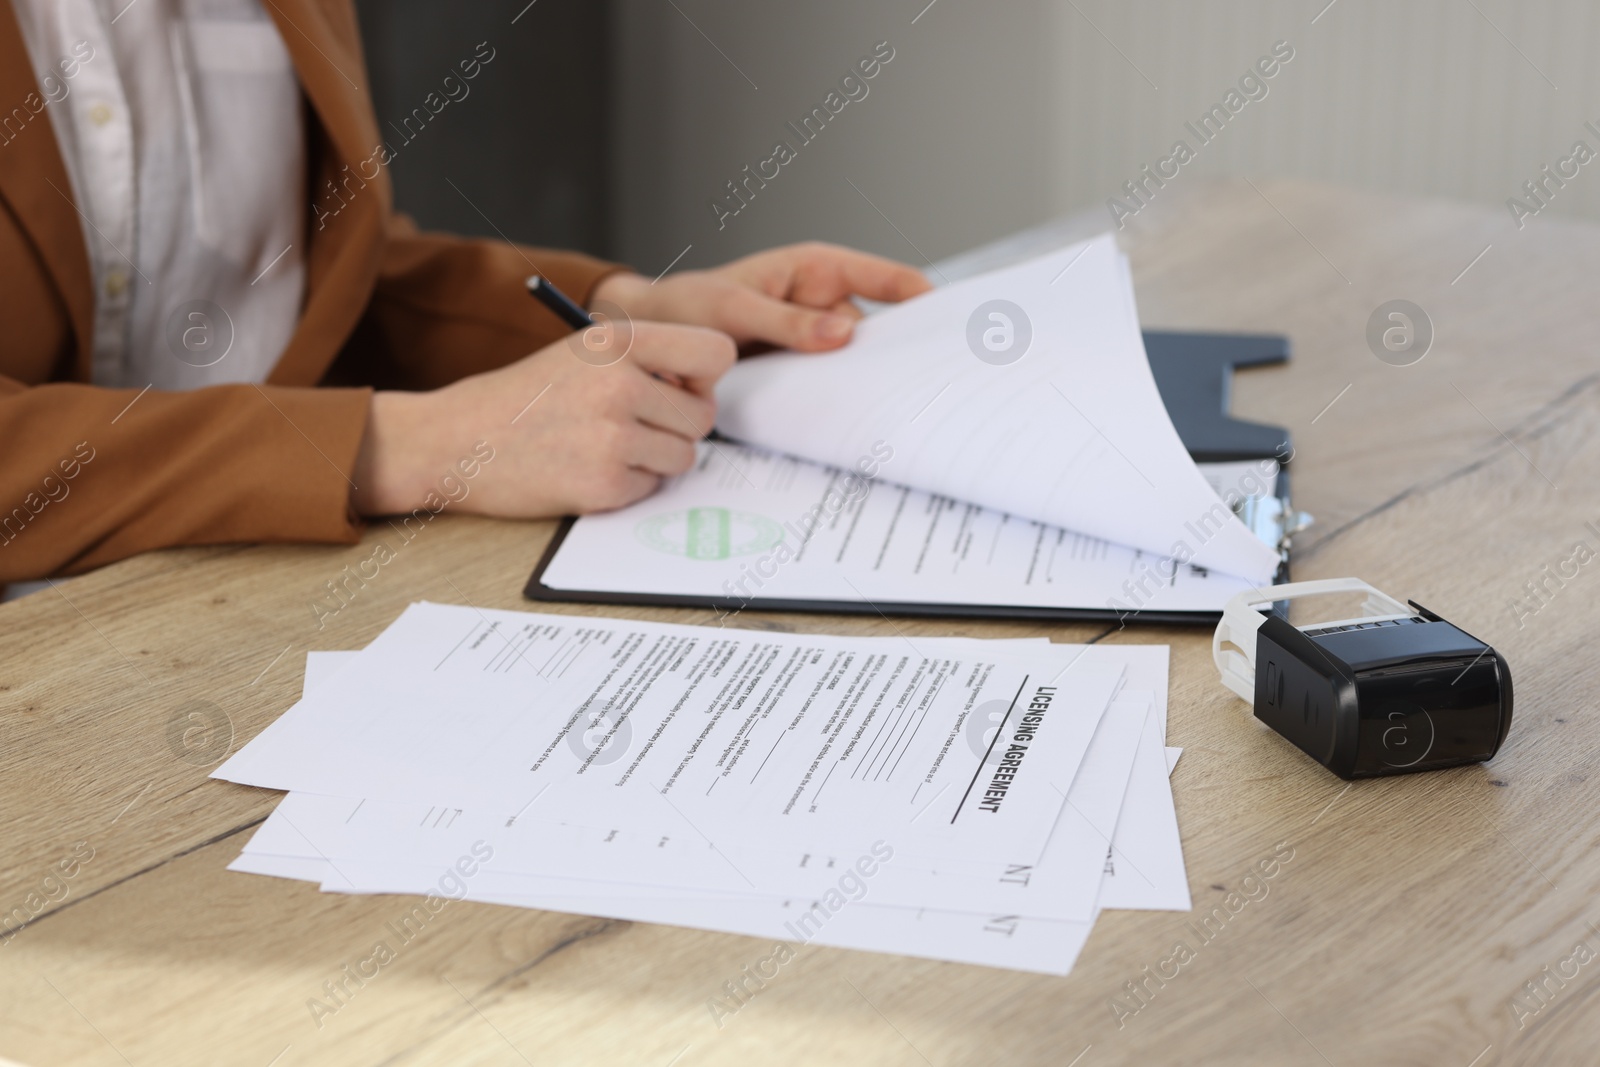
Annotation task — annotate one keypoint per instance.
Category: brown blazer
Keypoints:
(89, 475)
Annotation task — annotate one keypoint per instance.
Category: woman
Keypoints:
(217, 330)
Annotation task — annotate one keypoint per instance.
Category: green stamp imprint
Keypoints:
(709, 533)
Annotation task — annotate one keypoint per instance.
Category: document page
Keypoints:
(746, 737)
(1145, 870)
(1022, 915)
(1025, 390)
(750, 524)
(1060, 883)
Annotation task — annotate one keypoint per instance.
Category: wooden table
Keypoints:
(1402, 931)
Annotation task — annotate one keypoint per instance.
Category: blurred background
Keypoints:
(614, 126)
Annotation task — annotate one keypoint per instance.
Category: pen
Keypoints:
(542, 290)
(558, 302)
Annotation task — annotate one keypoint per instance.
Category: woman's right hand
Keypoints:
(573, 427)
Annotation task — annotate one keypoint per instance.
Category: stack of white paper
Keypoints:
(977, 801)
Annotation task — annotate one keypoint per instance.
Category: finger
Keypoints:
(749, 315)
(849, 310)
(677, 411)
(693, 355)
(657, 452)
(826, 274)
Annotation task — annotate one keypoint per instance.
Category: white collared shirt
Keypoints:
(184, 140)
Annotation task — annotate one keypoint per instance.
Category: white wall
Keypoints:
(996, 115)
(945, 144)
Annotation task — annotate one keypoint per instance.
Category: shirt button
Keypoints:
(100, 114)
(116, 282)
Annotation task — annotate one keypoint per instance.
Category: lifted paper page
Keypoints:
(1025, 390)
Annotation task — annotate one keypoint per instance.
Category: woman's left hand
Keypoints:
(797, 296)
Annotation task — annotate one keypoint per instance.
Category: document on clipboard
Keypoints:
(1000, 447)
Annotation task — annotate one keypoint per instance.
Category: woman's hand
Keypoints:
(572, 428)
(795, 297)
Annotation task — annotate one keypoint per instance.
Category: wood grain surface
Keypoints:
(1405, 928)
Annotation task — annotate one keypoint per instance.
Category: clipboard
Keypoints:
(1194, 375)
